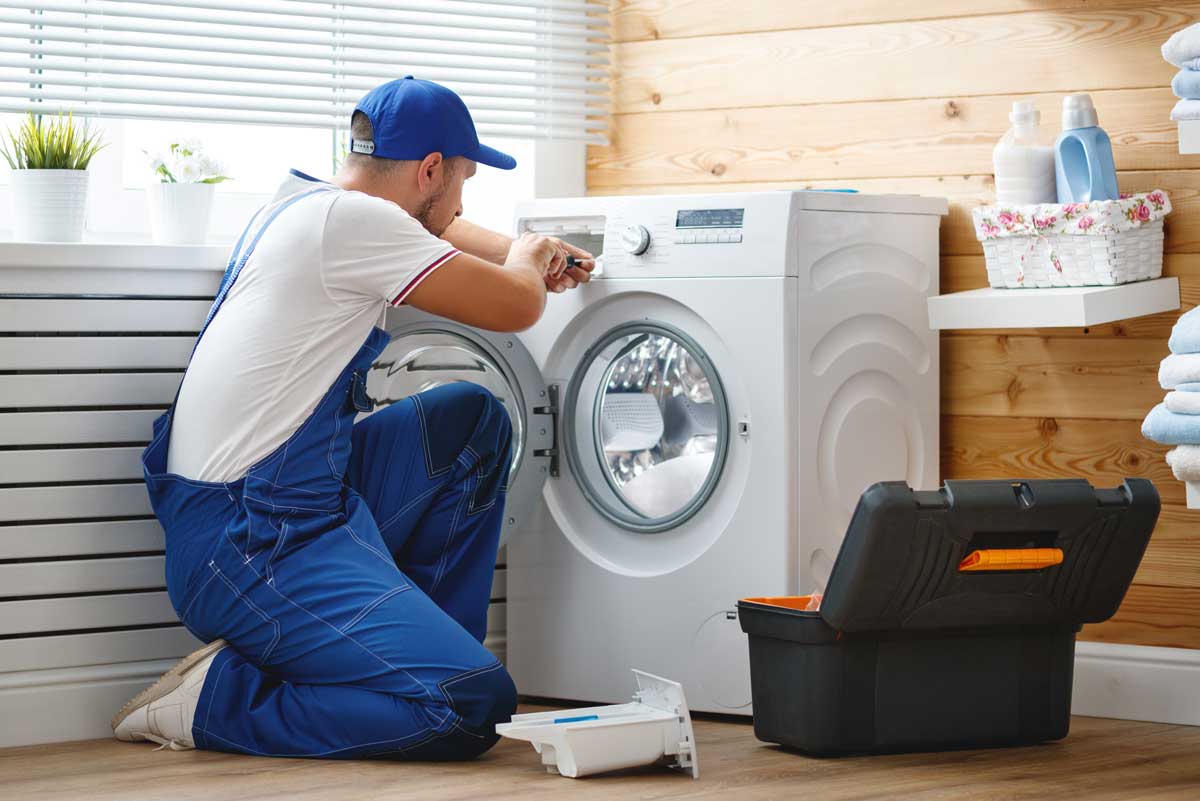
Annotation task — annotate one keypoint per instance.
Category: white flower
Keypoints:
(190, 144)
(188, 170)
(209, 167)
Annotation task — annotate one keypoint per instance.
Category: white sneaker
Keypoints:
(163, 712)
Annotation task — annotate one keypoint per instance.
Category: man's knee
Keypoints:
(460, 415)
(482, 698)
(477, 403)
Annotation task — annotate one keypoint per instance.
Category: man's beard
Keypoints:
(425, 212)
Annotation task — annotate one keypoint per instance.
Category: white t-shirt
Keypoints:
(306, 300)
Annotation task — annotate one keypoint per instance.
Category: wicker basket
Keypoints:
(1118, 258)
(1047, 247)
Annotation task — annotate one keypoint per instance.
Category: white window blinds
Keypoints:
(526, 68)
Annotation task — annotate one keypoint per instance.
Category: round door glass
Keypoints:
(658, 426)
(422, 360)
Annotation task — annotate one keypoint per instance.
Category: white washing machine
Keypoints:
(695, 425)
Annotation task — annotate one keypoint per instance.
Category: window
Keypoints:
(269, 84)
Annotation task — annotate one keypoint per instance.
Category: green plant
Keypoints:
(57, 143)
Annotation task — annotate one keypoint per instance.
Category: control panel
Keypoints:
(708, 226)
(649, 236)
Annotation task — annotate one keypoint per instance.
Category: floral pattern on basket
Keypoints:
(1045, 230)
(1098, 218)
(1095, 218)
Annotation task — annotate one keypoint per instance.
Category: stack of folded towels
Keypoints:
(1176, 421)
(1183, 50)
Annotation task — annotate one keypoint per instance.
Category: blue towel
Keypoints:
(1185, 336)
(1186, 83)
(1187, 388)
(1167, 428)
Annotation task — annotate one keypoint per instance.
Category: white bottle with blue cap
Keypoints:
(1083, 157)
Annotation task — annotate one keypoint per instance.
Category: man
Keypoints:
(341, 571)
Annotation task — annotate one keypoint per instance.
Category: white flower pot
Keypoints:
(179, 213)
(49, 205)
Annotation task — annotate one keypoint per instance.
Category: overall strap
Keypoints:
(238, 258)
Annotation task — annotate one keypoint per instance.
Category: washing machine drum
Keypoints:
(658, 432)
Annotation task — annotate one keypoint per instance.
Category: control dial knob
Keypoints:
(635, 239)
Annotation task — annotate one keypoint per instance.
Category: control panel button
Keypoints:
(736, 236)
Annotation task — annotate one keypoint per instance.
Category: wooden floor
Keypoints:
(1101, 760)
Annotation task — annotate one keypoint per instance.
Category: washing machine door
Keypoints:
(427, 351)
(646, 425)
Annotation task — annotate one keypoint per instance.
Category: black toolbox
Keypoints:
(950, 616)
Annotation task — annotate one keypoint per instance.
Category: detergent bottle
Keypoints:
(1023, 159)
(1083, 157)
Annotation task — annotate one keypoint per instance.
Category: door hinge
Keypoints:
(552, 411)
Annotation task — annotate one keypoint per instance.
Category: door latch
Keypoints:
(552, 411)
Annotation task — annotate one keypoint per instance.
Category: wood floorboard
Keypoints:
(1101, 760)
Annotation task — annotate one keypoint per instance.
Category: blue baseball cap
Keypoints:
(411, 118)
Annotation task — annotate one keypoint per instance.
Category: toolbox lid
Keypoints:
(989, 553)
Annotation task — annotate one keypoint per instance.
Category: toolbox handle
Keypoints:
(1011, 559)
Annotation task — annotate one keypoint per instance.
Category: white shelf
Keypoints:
(1193, 494)
(109, 255)
(1189, 136)
(1053, 307)
(111, 268)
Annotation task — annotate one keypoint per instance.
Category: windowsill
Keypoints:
(115, 254)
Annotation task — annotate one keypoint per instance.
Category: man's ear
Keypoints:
(431, 170)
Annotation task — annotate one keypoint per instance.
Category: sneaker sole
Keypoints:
(168, 682)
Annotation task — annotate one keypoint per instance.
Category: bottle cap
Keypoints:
(1078, 112)
(1024, 114)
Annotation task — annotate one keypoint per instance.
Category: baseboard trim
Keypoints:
(49, 706)
(1137, 682)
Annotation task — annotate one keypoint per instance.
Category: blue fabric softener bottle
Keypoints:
(1083, 157)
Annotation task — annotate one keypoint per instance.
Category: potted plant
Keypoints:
(49, 160)
(181, 202)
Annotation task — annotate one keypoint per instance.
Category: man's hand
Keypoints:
(569, 277)
(539, 252)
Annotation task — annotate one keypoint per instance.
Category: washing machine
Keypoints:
(694, 425)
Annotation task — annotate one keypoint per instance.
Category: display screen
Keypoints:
(709, 218)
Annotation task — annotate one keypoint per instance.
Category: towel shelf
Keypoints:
(1052, 307)
(1189, 137)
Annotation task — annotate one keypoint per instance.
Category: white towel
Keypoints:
(1183, 402)
(1185, 462)
(1182, 46)
(1179, 368)
(1187, 109)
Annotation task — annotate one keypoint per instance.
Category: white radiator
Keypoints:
(93, 343)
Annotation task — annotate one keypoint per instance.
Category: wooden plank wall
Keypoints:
(911, 97)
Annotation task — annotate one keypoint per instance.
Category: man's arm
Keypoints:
(476, 292)
(478, 241)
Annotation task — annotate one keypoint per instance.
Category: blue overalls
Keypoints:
(350, 571)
